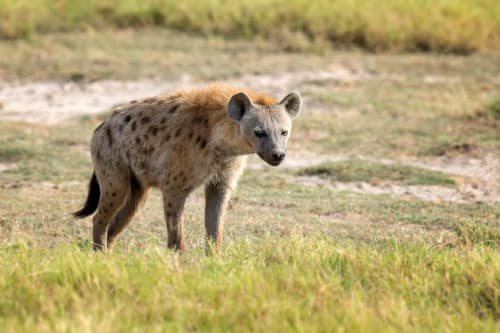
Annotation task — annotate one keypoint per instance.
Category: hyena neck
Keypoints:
(228, 140)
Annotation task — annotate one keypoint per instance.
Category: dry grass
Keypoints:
(458, 26)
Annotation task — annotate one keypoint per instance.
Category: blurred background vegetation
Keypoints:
(449, 26)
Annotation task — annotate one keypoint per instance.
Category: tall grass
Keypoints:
(402, 25)
(289, 284)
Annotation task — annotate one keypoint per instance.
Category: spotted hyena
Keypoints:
(178, 142)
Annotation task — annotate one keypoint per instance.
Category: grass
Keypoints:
(493, 109)
(443, 26)
(373, 172)
(289, 284)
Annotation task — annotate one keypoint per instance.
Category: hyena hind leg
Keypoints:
(113, 194)
(136, 196)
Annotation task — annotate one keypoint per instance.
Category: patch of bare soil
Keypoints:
(7, 166)
(479, 177)
(54, 102)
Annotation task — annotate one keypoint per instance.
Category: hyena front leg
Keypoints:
(217, 193)
(114, 191)
(216, 198)
(173, 206)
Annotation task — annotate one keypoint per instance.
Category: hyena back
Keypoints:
(178, 142)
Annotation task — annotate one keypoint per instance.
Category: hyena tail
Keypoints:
(92, 199)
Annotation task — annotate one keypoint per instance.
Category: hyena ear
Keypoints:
(238, 105)
(293, 104)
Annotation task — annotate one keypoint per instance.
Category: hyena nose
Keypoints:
(278, 156)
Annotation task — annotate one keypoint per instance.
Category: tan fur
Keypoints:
(176, 142)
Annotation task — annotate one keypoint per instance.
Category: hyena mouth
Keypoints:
(270, 161)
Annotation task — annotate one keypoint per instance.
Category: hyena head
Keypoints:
(266, 127)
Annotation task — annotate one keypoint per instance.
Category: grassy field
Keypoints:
(458, 26)
(384, 219)
(288, 284)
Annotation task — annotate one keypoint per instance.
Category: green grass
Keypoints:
(460, 26)
(288, 284)
(493, 109)
(368, 171)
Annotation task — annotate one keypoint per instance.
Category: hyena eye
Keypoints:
(284, 132)
(260, 133)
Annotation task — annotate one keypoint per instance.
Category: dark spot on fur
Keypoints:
(127, 118)
(190, 135)
(138, 140)
(203, 144)
(120, 128)
(169, 204)
(133, 102)
(150, 100)
(174, 108)
(134, 125)
(143, 165)
(145, 120)
(113, 194)
(205, 122)
(98, 156)
(178, 132)
(198, 139)
(199, 120)
(163, 120)
(167, 137)
(145, 137)
(109, 135)
(153, 130)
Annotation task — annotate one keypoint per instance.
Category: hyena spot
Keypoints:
(138, 140)
(145, 137)
(163, 120)
(199, 120)
(145, 120)
(134, 125)
(109, 135)
(153, 130)
(178, 132)
(173, 108)
(113, 194)
(127, 118)
(203, 144)
(167, 137)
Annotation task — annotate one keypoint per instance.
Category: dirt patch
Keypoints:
(54, 102)
(7, 166)
(479, 177)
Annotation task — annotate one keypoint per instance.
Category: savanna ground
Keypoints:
(385, 217)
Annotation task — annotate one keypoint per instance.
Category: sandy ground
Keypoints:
(55, 102)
